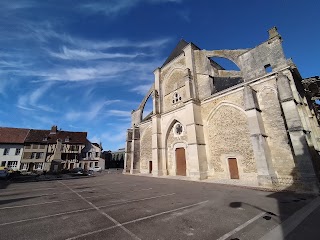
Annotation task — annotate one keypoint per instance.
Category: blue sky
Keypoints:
(85, 65)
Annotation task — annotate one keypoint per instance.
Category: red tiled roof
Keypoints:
(13, 135)
(37, 136)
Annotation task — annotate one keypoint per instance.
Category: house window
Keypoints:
(24, 166)
(18, 150)
(80, 164)
(89, 154)
(39, 155)
(38, 165)
(45, 139)
(42, 146)
(12, 164)
(67, 139)
(3, 164)
(90, 164)
(96, 164)
(97, 154)
(74, 148)
(6, 151)
(35, 146)
(28, 146)
(33, 155)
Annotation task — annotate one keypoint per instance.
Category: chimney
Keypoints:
(54, 129)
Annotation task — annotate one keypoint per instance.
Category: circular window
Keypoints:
(179, 129)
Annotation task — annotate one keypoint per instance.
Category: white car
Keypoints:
(96, 169)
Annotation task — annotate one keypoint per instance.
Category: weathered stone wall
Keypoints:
(173, 84)
(275, 129)
(253, 62)
(170, 155)
(228, 134)
(179, 62)
(145, 148)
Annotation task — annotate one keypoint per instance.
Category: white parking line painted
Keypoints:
(81, 210)
(137, 200)
(47, 216)
(105, 214)
(138, 220)
(144, 189)
(29, 190)
(71, 199)
(241, 226)
(59, 193)
(282, 230)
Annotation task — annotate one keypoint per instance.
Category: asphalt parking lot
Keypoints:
(116, 206)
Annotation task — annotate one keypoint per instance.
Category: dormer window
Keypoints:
(45, 139)
(176, 98)
(67, 139)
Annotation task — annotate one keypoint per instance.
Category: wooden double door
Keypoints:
(181, 162)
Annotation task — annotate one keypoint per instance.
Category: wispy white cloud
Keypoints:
(119, 113)
(113, 8)
(16, 5)
(92, 112)
(82, 54)
(141, 89)
(31, 100)
(104, 71)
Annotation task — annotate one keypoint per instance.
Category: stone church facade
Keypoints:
(253, 126)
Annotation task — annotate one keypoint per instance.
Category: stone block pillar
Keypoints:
(260, 146)
(302, 156)
(128, 152)
(135, 156)
(195, 152)
(159, 167)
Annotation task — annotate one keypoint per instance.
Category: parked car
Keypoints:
(4, 174)
(77, 170)
(96, 169)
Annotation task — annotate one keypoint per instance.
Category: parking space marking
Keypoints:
(229, 234)
(139, 219)
(105, 214)
(47, 216)
(137, 200)
(72, 199)
(29, 190)
(59, 193)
